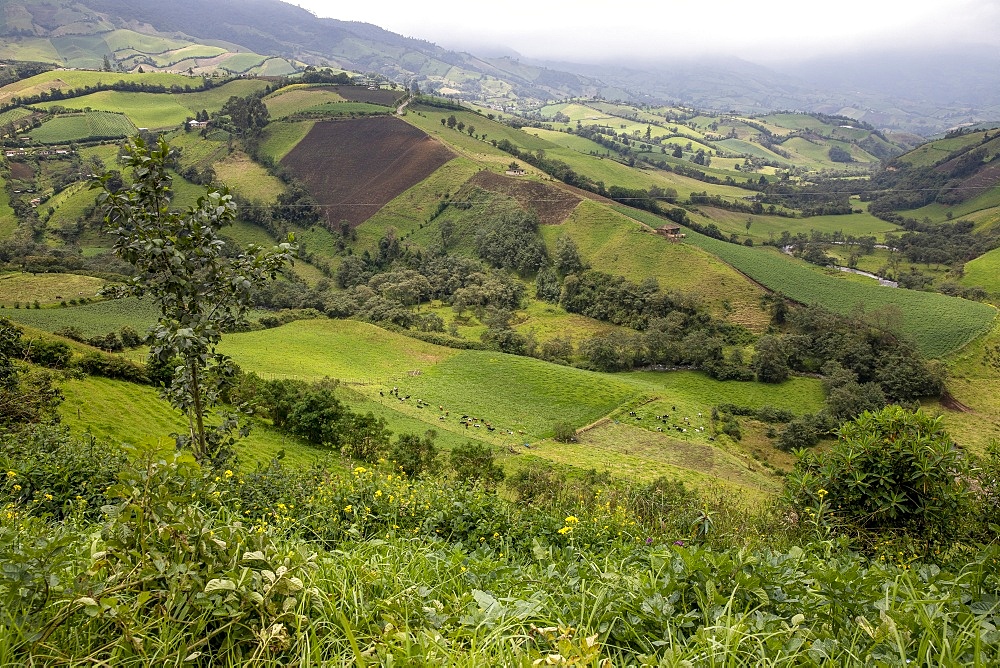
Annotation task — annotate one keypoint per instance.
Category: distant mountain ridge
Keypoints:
(923, 92)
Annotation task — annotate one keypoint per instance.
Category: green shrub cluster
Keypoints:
(309, 567)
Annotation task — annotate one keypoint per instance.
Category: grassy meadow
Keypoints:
(521, 398)
(160, 110)
(46, 289)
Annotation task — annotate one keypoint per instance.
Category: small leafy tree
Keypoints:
(178, 262)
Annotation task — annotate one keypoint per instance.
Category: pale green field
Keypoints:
(296, 98)
(35, 49)
(161, 110)
(65, 79)
(983, 210)
(129, 39)
(8, 223)
(280, 138)
(240, 62)
(244, 176)
(46, 288)
(765, 228)
(741, 146)
(638, 454)
(939, 149)
(135, 414)
(984, 272)
(345, 349)
(817, 155)
(412, 208)
(275, 67)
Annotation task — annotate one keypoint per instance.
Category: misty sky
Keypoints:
(756, 30)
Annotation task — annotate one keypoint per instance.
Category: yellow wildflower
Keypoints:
(11, 474)
(48, 497)
(572, 520)
(348, 509)
(228, 473)
(566, 530)
(821, 492)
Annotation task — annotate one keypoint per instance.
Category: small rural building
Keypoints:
(670, 231)
(515, 172)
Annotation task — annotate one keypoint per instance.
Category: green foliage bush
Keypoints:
(475, 463)
(893, 470)
(112, 366)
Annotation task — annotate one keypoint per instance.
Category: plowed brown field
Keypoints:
(355, 167)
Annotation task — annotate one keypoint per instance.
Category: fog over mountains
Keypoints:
(920, 89)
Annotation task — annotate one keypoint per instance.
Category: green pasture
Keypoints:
(345, 349)
(25, 288)
(297, 97)
(135, 414)
(38, 49)
(244, 176)
(80, 51)
(239, 63)
(931, 152)
(13, 115)
(983, 209)
(161, 110)
(429, 120)
(152, 44)
(275, 67)
(65, 79)
(280, 138)
(246, 233)
(66, 128)
(984, 272)
(539, 319)
(516, 394)
(795, 122)
(614, 241)
(197, 150)
(175, 55)
(409, 212)
(745, 147)
(816, 154)
(70, 205)
(765, 228)
(954, 324)
(8, 222)
(91, 319)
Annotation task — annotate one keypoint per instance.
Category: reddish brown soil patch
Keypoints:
(551, 204)
(953, 404)
(381, 96)
(355, 167)
(21, 171)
